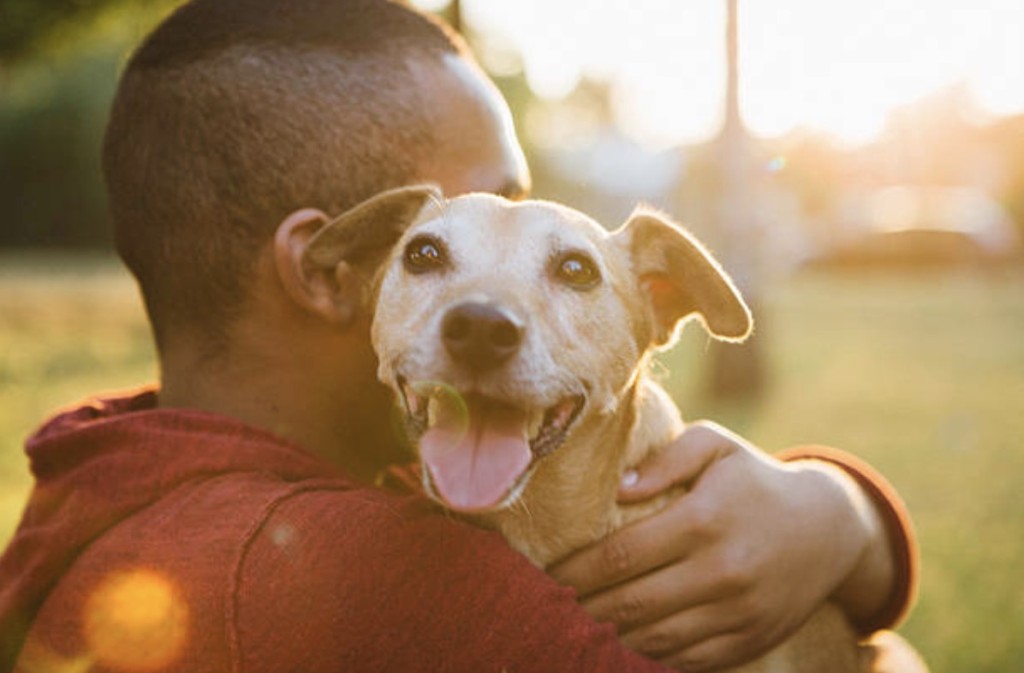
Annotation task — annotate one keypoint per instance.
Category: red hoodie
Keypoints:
(171, 540)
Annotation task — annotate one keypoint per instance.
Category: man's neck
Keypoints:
(333, 408)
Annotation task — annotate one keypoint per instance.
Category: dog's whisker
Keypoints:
(522, 506)
(441, 203)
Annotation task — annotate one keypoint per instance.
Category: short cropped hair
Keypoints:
(234, 113)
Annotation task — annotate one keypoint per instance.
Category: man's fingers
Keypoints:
(715, 654)
(639, 548)
(652, 597)
(709, 637)
(675, 464)
(689, 633)
(643, 600)
(681, 462)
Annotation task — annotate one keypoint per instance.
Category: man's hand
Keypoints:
(739, 561)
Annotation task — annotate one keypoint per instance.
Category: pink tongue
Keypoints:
(474, 465)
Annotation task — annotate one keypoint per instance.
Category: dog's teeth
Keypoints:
(535, 425)
(563, 413)
(412, 403)
(434, 405)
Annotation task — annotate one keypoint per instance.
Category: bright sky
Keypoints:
(833, 65)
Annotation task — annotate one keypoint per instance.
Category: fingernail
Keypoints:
(630, 479)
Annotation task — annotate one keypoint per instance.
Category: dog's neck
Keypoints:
(571, 500)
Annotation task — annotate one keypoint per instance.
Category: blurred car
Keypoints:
(915, 226)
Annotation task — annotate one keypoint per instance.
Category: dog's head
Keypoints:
(502, 326)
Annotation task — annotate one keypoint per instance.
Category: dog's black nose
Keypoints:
(480, 335)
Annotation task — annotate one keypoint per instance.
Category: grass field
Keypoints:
(69, 327)
(922, 375)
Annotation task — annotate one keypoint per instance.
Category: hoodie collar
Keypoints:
(99, 463)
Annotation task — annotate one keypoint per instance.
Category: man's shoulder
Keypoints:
(366, 523)
(383, 581)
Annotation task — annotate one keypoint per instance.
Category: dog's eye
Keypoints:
(423, 254)
(577, 271)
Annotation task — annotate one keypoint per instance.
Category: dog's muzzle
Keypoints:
(479, 452)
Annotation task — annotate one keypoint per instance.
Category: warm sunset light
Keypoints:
(134, 621)
(838, 67)
(175, 425)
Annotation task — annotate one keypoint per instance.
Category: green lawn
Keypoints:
(922, 375)
(69, 327)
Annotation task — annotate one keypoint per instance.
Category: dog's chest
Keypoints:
(571, 501)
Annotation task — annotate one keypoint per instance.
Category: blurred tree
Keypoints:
(26, 24)
(52, 194)
(58, 68)
(1008, 136)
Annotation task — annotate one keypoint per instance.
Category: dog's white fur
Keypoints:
(593, 342)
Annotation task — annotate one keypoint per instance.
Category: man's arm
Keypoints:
(738, 563)
(371, 581)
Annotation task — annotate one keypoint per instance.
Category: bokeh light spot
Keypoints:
(137, 621)
(37, 658)
(283, 535)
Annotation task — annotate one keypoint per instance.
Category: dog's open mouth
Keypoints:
(477, 451)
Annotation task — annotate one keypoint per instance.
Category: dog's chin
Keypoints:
(434, 407)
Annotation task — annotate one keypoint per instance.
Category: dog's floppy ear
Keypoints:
(326, 265)
(363, 235)
(682, 280)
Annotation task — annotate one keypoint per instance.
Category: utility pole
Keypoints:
(455, 10)
(737, 369)
(733, 148)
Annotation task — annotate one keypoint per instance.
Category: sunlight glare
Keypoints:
(840, 67)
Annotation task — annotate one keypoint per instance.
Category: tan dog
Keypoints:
(517, 338)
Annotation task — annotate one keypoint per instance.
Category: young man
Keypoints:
(227, 520)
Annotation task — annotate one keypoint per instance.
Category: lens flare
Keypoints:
(446, 407)
(776, 164)
(136, 620)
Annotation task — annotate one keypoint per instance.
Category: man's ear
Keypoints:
(331, 294)
(681, 280)
(326, 265)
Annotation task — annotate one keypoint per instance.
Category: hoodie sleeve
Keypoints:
(338, 581)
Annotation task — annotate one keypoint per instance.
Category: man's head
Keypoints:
(235, 113)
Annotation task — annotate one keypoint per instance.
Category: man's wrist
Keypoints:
(881, 587)
(866, 588)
